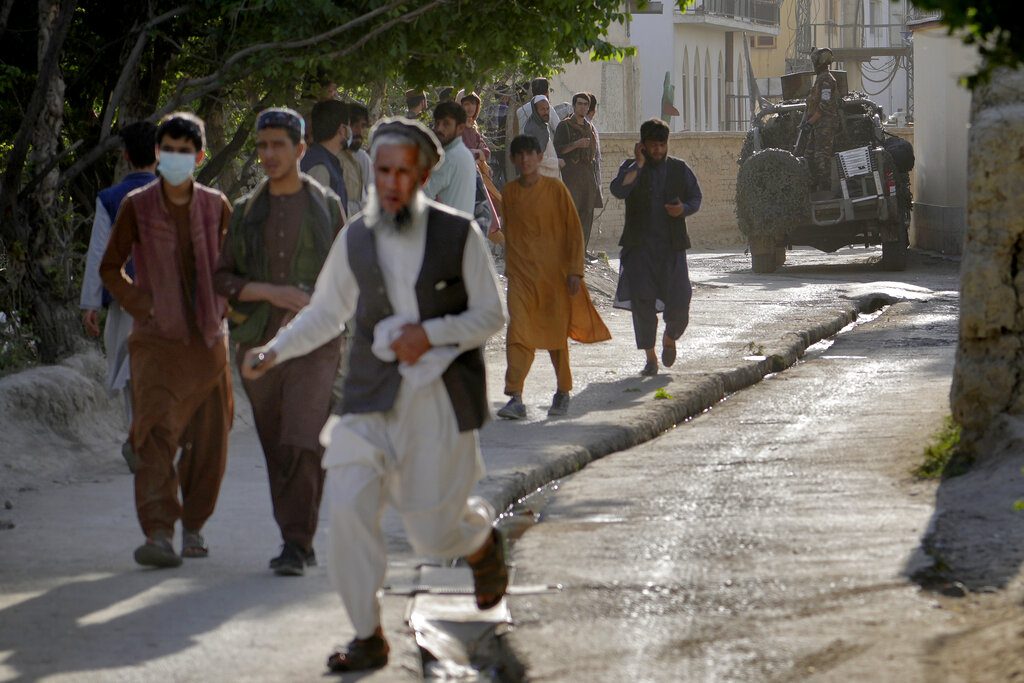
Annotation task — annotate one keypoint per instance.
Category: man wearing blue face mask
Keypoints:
(173, 229)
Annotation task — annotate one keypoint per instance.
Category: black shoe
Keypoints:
(310, 558)
(291, 561)
(668, 355)
(650, 370)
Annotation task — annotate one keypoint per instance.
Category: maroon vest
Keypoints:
(155, 255)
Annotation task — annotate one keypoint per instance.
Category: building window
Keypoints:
(721, 95)
(696, 92)
(707, 91)
(685, 86)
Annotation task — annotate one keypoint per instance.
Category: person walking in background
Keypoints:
(416, 105)
(355, 163)
(471, 135)
(454, 181)
(279, 238)
(172, 229)
(660, 192)
(139, 140)
(576, 144)
(420, 282)
(537, 127)
(591, 114)
(547, 300)
(331, 134)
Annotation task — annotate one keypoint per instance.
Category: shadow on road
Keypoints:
(976, 536)
(129, 619)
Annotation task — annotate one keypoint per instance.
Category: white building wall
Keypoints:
(942, 117)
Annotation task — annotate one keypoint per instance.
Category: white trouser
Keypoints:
(115, 345)
(414, 458)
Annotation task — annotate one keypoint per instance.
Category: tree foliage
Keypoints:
(996, 27)
(113, 63)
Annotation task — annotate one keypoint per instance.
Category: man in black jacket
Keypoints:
(660, 192)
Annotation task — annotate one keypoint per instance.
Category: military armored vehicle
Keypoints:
(869, 201)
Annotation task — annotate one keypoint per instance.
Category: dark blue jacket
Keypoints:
(111, 199)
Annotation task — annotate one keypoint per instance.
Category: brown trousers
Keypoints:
(290, 405)
(182, 399)
(519, 360)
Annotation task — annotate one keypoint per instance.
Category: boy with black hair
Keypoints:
(331, 134)
(138, 138)
(279, 238)
(172, 229)
(547, 301)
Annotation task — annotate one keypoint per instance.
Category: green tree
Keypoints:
(73, 71)
(996, 27)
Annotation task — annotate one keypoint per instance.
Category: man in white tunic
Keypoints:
(418, 278)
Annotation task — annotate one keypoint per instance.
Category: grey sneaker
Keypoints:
(157, 552)
(514, 409)
(559, 404)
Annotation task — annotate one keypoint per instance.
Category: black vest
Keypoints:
(317, 155)
(638, 207)
(372, 385)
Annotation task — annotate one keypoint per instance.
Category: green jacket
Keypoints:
(248, 319)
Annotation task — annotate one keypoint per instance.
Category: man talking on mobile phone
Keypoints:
(660, 192)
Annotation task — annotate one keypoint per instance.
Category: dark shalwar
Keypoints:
(653, 274)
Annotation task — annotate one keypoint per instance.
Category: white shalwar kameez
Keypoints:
(412, 456)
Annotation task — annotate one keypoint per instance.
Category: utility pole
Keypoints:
(799, 60)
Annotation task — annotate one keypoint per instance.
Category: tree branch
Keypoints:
(5, 14)
(221, 159)
(22, 140)
(130, 66)
(216, 76)
(208, 84)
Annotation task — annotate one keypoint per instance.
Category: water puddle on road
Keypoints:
(819, 349)
(457, 641)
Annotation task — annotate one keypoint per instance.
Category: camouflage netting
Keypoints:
(777, 130)
(771, 193)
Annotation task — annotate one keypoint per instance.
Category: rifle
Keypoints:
(801, 139)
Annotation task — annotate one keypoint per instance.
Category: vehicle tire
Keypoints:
(780, 256)
(894, 255)
(763, 263)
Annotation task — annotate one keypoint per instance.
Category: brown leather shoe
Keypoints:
(490, 573)
(361, 654)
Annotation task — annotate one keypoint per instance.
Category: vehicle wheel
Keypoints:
(763, 263)
(894, 255)
(780, 256)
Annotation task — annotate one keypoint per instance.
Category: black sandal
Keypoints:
(490, 574)
(361, 654)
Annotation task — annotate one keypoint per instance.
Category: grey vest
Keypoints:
(372, 385)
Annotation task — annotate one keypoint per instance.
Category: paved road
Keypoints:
(767, 540)
(74, 607)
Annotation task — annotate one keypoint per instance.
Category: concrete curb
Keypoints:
(692, 396)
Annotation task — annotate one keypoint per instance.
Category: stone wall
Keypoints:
(987, 380)
(712, 156)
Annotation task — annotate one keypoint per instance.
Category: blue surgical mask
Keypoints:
(176, 167)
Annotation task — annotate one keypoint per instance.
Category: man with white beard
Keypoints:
(419, 280)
